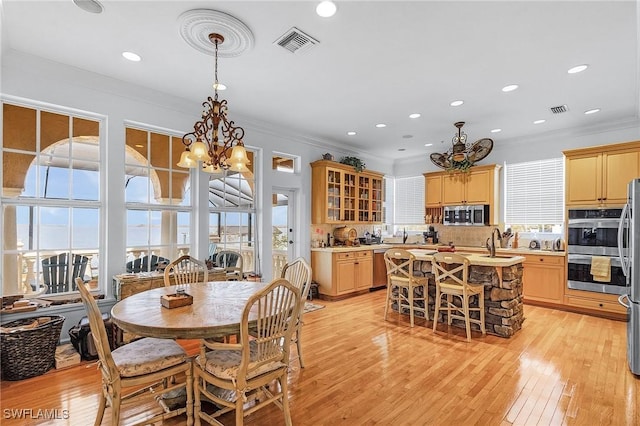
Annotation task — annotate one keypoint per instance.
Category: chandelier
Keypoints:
(461, 155)
(215, 135)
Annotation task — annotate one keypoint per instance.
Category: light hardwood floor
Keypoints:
(562, 368)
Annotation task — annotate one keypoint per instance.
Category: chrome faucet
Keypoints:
(404, 236)
(491, 242)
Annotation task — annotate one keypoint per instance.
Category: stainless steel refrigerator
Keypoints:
(629, 251)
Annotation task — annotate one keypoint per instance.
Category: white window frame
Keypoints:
(39, 202)
(534, 194)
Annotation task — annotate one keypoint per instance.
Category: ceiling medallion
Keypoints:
(197, 24)
(461, 156)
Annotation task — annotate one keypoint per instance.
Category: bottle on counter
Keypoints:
(515, 241)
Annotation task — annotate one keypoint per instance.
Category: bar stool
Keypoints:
(449, 283)
(400, 277)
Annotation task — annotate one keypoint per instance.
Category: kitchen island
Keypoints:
(502, 280)
(347, 271)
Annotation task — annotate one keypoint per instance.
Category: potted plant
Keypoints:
(358, 164)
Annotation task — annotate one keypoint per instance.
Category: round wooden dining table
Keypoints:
(216, 310)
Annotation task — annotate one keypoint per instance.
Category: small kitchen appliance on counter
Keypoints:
(430, 236)
(629, 252)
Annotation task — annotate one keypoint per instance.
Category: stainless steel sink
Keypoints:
(502, 256)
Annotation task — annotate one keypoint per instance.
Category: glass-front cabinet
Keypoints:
(377, 198)
(340, 194)
(334, 194)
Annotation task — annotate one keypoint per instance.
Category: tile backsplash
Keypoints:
(469, 236)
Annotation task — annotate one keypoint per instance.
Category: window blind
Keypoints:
(408, 202)
(534, 192)
(387, 205)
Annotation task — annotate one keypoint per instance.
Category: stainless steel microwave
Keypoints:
(466, 215)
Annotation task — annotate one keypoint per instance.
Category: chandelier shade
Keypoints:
(216, 142)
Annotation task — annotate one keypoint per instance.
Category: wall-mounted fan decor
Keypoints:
(461, 156)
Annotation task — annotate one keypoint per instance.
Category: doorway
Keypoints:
(284, 230)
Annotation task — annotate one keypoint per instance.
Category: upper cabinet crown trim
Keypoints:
(602, 148)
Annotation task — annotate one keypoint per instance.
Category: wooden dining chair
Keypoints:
(244, 370)
(298, 273)
(143, 365)
(185, 270)
(402, 284)
(232, 263)
(452, 281)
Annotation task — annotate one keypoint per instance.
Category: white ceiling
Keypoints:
(377, 62)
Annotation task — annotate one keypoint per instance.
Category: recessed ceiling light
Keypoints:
(577, 69)
(510, 88)
(326, 9)
(539, 121)
(428, 144)
(380, 125)
(414, 115)
(496, 130)
(351, 133)
(456, 103)
(91, 6)
(131, 56)
(220, 86)
(592, 111)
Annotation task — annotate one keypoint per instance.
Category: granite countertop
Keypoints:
(341, 249)
(475, 258)
(518, 251)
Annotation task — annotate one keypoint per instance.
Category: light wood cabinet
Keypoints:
(598, 176)
(453, 189)
(597, 303)
(433, 189)
(342, 274)
(478, 186)
(339, 194)
(544, 279)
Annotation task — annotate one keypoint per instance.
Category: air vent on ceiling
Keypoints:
(559, 109)
(295, 41)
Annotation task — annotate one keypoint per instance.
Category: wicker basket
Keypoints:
(30, 352)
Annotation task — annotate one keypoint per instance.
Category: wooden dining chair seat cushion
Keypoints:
(224, 364)
(415, 280)
(147, 355)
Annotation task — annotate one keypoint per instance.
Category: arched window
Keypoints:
(158, 199)
(232, 214)
(50, 199)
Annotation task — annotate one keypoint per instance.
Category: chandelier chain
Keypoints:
(215, 72)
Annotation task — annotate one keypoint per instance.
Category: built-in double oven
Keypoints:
(594, 232)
